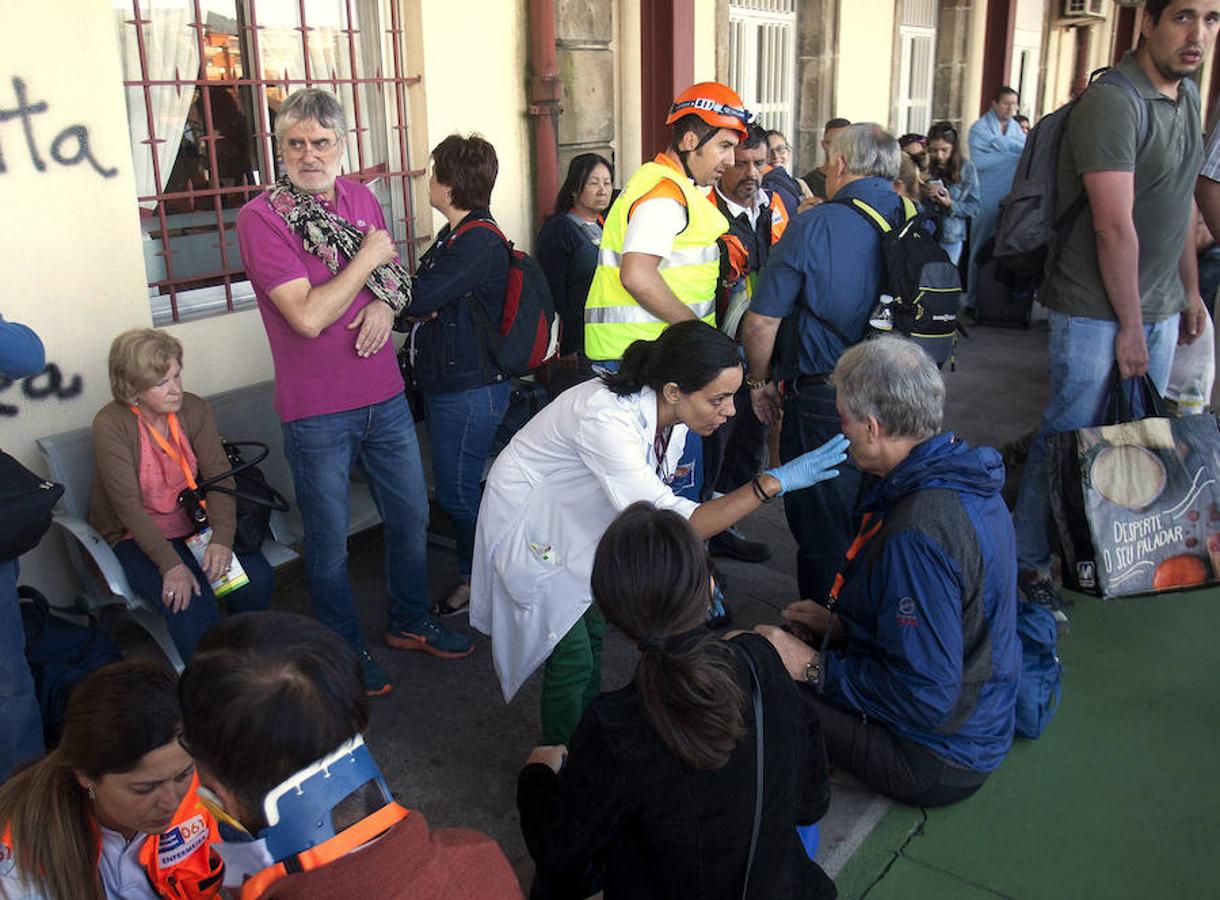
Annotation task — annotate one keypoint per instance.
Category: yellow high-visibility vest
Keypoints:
(613, 318)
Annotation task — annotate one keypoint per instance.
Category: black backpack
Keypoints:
(924, 283)
(1030, 231)
(26, 502)
(60, 654)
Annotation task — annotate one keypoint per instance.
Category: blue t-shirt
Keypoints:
(825, 277)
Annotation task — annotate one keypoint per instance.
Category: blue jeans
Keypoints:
(189, 625)
(954, 250)
(1081, 360)
(321, 451)
(20, 718)
(822, 518)
(461, 426)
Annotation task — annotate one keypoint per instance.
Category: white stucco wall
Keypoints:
(866, 60)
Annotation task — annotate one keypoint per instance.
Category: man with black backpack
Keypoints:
(1121, 284)
(821, 281)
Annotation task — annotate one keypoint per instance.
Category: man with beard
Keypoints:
(1124, 287)
(758, 213)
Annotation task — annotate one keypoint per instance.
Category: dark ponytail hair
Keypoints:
(115, 716)
(690, 354)
(651, 581)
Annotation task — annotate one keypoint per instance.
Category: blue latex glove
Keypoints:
(810, 468)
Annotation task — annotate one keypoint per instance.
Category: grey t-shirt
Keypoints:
(1103, 136)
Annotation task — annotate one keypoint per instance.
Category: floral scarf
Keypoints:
(327, 235)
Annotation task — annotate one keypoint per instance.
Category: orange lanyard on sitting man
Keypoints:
(863, 536)
(173, 451)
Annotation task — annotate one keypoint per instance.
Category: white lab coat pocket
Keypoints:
(526, 564)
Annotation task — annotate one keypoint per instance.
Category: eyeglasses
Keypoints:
(780, 148)
(297, 147)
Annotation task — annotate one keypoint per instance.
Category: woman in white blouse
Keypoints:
(588, 455)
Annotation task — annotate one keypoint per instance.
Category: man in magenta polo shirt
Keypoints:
(328, 285)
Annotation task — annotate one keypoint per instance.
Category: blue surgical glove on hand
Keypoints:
(810, 468)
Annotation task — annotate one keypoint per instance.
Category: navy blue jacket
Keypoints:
(826, 275)
(568, 256)
(452, 351)
(930, 608)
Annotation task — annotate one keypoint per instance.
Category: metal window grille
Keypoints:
(916, 61)
(762, 59)
(204, 79)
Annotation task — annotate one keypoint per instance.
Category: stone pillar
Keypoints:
(583, 32)
(817, 62)
(953, 49)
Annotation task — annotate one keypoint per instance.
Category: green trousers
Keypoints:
(572, 677)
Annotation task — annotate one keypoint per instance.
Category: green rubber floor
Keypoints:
(1119, 798)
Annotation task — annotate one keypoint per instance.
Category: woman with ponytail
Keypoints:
(659, 782)
(588, 455)
(112, 811)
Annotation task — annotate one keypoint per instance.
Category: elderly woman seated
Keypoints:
(150, 444)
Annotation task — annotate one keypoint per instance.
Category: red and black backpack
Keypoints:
(528, 331)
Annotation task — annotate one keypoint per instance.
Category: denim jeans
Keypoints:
(188, 626)
(20, 718)
(822, 518)
(321, 451)
(461, 426)
(1081, 360)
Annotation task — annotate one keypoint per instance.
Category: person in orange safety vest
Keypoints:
(113, 811)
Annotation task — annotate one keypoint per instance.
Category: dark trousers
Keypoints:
(189, 625)
(898, 768)
(822, 518)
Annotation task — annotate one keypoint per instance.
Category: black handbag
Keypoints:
(26, 502)
(255, 497)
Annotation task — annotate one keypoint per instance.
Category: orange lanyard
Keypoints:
(863, 536)
(173, 451)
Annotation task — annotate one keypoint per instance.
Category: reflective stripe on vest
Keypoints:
(613, 318)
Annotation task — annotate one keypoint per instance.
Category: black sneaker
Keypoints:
(1041, 592)
(431, 637)
(733, 544)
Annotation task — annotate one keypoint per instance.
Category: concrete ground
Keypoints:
(451, 747)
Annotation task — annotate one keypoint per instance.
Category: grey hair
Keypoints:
(321, 106)
(867, 149)
(894, 381)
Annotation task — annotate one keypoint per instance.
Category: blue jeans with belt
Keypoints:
(20, 718)
(321, 452)
(461, 426)
(188, 626)
(1081, 360)
(822, 518)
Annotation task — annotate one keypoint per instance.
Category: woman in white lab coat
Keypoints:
(587, 456)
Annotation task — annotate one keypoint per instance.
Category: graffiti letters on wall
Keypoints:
(47, 384)
(70, 147)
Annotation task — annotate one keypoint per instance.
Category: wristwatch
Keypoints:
(755, 384)
(813, 672)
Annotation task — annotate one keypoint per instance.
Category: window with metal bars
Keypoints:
(204, 79)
